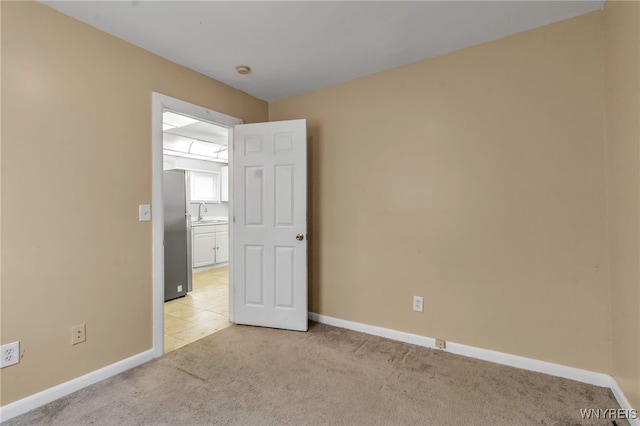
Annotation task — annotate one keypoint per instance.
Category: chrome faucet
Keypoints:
(200, 217)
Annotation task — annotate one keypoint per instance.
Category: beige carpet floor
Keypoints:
(327, 376)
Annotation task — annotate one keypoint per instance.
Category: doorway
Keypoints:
(208, 305)
(196, 239)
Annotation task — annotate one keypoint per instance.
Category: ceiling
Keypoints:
(294, 47)
(188, 137)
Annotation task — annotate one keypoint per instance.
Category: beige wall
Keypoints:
(477, 180)
(622, 112)
(76, 144)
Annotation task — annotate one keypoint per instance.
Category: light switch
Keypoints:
(144, 212)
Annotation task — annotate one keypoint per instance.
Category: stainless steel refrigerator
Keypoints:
(177, 234)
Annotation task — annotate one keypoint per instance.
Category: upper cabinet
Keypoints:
(224, 184)
(205, 187)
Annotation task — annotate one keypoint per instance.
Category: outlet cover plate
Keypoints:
(144, 212)
(10, 354)
(418, 303)
(78, 334)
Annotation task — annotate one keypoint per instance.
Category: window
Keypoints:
(205, 187)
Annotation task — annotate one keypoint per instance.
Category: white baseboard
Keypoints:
(623, 401)
(32, 402)
(39, 399)
(579, 375)
(210, 267)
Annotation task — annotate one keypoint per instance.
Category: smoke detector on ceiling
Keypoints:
(243, 69)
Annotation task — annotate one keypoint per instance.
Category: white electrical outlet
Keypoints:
(10, 354)
(418, 303)
(179, 288)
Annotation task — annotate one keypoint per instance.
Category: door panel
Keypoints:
(269, 262)
(285, 176)
(285, 277)
(254, 276)
(254, 196)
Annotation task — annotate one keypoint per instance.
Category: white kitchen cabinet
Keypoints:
(204, 252)
(224, 184)
(210, 245)
(222, 247)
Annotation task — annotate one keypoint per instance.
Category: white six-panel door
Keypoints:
(270, 228)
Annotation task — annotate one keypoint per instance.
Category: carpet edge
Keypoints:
(529, 364)
(46, 396)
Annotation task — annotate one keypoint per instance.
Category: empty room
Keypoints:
(416, 212)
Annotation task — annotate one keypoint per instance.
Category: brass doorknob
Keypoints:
(299, 237)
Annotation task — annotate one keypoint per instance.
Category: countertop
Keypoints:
(210, 221)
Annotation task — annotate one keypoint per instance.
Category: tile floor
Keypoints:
(201, 312)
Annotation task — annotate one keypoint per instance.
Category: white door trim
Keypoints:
(158, 103)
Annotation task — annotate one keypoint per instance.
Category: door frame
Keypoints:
(159, 102)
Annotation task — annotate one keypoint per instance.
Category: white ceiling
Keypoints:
(191, 138)
(294, 47)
